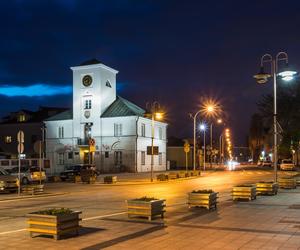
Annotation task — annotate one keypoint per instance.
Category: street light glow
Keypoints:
(159, 115)
(211, 108)
(287, 75)
(202, 127)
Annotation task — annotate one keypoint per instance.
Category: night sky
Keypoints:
(174, 52)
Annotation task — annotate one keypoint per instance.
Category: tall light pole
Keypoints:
(155, 114)
(194, 147)
(262, 78)
(203, 128)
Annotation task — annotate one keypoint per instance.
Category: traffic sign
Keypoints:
(20, 136)
(186, 147)
(20, 148)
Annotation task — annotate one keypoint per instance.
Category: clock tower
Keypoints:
(94, 89)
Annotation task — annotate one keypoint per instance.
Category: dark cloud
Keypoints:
(171, 51)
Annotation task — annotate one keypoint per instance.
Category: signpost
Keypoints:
(186, 149)
(38, 148)
(20, 138)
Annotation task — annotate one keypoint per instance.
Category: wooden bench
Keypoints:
(33, 189)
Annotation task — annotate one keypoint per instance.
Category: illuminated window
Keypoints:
(88, 104)
(7, 139)
(21, 118)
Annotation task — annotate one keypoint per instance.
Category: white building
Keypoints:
(119, 128)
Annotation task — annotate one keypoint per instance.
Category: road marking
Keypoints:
(14, 231)
(85, 219)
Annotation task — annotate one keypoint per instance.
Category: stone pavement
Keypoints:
(270, 222)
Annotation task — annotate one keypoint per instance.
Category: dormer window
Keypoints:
(88, 104)
(107, 84)
(21, 118)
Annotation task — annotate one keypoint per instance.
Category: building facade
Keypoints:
(119, 128)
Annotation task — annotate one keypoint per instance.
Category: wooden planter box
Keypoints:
(173, 175)
(266, 188)
(244, 192)
(287, 182)
(195, 173)
(110, 179)
(53, 225)
(181, 174)
(207, 200)
(148, 209)
(162, 177)
(33, 189)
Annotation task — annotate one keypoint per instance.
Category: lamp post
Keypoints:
(194, 148)
(203, 128)
(262, 78)
(156, 114)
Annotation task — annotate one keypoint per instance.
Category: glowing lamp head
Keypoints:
(262, 77)
(287, 75)
(159, 115)
(210, 108)
(219, 121)
(202, 127)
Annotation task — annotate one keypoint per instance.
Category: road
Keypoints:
(96, 201)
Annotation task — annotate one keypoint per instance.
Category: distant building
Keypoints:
(176, 155)
(118, 127)
(31, 123)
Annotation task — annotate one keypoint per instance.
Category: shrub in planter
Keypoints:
(173, 175)
(203, 198)
(55, 222)
(148, 207)
(110, 179)
(242, 192)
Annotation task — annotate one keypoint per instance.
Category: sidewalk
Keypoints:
(270, 222)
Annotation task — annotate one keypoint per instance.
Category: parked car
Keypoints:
(8, 182)
(266, 163)
(72, 171)
(29, 174)
(287, 165)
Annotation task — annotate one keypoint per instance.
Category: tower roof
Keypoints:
(90, 62)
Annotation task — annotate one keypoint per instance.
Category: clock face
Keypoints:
(87, 80)
(87, 114)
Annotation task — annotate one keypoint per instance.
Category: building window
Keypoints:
(106, 154)
(21, 118)
(61, 159)
(118, 158)
(107, 84)
(60, 132)
(160, 158)
(70, 155)
(143, 157)
(143, 128)
(88, 104)
(7, 139)
(160, 133)
(118, 129)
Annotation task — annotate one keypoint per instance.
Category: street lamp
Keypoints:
(262, 78)
(156, 114)
(194, 148)
(203, 128)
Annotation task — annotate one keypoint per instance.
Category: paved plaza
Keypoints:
(269, 222)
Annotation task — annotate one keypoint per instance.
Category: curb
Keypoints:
(28, 197)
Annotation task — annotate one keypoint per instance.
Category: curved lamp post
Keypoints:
(262, 78)
(155, 114)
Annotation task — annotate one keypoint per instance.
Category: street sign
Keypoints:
(186, 147)
(155, 150)
(20, 136)
(20, 148)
